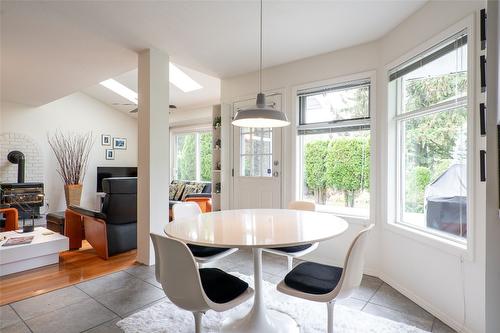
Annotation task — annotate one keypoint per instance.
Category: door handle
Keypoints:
(275, 174)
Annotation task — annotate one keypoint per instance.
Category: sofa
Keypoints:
(199, 192)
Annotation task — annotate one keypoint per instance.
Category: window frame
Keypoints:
(338, 86)
(400, 120)
(174, 133)
(446, 244)
(354, 124)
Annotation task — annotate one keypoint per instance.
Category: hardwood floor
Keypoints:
(74, 267)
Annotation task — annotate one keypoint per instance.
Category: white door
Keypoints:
(257, 163)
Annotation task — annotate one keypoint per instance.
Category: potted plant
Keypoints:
(217, 122)
(72, 153)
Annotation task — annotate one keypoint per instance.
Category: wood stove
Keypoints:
(27, 198)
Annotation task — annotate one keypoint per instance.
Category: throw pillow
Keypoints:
(190, 188)
(180, 190)
(172, 190)
(199, 187)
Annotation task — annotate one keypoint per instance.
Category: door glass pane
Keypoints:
(266, 165)
(256, 152)
(246, 165)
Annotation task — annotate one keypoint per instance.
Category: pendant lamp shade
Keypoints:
(260, 115)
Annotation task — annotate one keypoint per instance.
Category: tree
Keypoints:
(427, 91)
(433, 138)
(206, 156)
(315, 154)
(417, 180)
(433, 142)
(358, 103)
(187, 158)
(348, 167)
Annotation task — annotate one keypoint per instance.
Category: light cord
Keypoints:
(260, 64)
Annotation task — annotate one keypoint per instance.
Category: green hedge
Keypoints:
(342, 165)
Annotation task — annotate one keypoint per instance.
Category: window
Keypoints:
(256, 152)
(429, 95)
(193, 156)
(334, 143)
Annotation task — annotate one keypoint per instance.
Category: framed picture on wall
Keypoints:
(105, 140)
(119, 143)
(110, 154)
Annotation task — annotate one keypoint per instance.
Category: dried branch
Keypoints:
(72, 153)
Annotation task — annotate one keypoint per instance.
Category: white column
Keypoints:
(154, 158)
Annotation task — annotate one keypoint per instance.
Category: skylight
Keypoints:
(181, 80)
(177, 77)
(120, 89)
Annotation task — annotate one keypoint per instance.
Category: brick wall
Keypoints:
(31, 151)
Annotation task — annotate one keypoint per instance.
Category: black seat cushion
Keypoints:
(205, 251)
(292, 249)
(220, 286)
(313, 278)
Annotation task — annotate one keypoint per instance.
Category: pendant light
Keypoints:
(261, 114)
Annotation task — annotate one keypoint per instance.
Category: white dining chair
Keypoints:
(202, 254)
(185, 210)
(192, 289)
(326, 284)
(299, 250)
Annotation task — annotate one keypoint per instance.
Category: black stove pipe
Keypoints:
(16, 157)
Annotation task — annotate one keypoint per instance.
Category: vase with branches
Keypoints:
(72, 152)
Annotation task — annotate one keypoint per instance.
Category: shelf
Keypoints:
(216, 158)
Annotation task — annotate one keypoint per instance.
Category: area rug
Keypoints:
(165, 317)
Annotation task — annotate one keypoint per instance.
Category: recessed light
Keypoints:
(120, 89)
(181, 80)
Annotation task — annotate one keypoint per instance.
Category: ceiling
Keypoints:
(50, 49)
(208, 95)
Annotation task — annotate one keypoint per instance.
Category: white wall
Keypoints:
(191, 117)
(33, 158)
(431, 276)
(74, 113)
(449, 284)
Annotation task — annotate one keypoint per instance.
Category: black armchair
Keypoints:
(113, 230)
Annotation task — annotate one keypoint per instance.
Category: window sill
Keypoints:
(446, 245)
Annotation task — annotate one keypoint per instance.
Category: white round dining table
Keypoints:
(257, 229)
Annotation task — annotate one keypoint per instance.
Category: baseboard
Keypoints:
(445, 318)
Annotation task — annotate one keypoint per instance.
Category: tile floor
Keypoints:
(96, 305)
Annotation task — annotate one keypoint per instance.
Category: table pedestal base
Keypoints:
(270, 321)
(260, 319)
